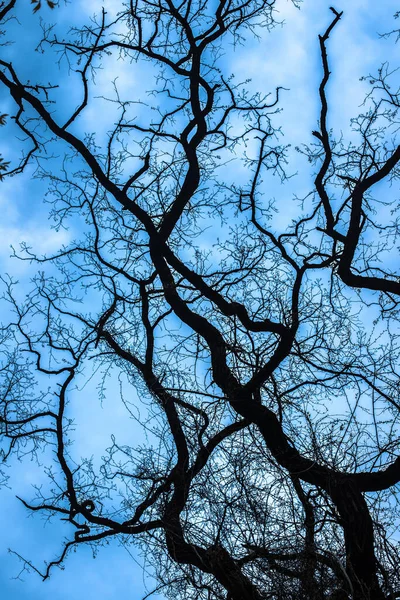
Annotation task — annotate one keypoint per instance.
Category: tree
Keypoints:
(265, 362)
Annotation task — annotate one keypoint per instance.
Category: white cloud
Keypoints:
(40, 239)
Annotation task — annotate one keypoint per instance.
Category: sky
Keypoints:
(288, 57)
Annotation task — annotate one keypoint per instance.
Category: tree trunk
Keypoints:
(359, 540)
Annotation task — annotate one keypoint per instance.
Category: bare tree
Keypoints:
(265, 362)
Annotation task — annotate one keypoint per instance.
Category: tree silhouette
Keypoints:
(264, 362)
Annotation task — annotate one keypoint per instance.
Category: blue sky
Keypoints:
(288, 57)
